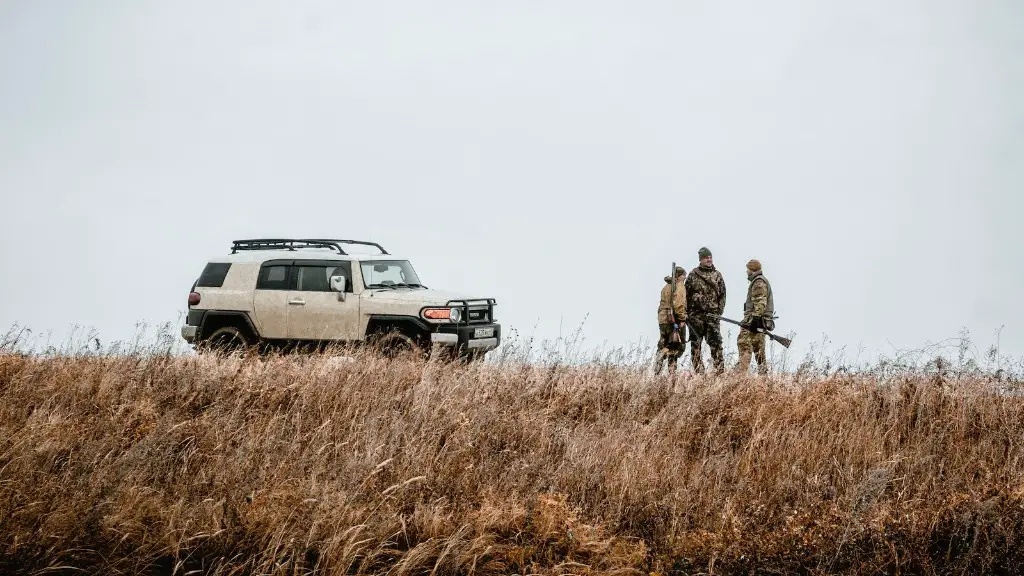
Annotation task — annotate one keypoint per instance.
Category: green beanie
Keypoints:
(704, 252)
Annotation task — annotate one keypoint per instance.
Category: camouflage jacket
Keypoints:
(705, 291)
(665, 308)
(760, 302)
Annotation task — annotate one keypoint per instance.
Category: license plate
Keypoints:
(483, 333)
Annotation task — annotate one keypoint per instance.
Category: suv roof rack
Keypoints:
(293, 243)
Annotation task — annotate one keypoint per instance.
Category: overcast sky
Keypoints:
(555, 155)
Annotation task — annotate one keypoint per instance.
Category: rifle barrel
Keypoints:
(780, 339)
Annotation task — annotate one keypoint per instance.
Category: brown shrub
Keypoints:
(311, 465)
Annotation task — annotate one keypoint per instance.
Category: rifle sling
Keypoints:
(706, 283)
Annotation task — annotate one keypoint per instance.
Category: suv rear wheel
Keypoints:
(229, 339)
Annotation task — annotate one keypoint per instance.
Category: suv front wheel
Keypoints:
(393, 344)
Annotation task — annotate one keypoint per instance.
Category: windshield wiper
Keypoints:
(409, 284)
(388, 286)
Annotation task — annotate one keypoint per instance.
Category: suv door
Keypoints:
(269, 300)
(314, 311)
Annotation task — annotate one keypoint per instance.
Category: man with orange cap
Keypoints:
(758, 312)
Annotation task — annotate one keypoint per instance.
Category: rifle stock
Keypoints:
(780, 339)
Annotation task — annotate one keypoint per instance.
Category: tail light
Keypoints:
(194, 298)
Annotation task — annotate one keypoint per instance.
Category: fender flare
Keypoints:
(244, 316)
(419, 325)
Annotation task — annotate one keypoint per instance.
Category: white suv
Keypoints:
(284, 292)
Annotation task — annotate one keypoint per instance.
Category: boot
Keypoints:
(718, 360)
(659, 362)
(743, 366)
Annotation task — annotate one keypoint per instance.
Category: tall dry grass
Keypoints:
(159, 464)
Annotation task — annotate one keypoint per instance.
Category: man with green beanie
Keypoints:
(758, 312)
(705, 300)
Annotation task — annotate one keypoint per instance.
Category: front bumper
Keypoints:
(474, 337)
(189, 332)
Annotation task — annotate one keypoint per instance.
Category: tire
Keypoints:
(396, 345)
(229, 340)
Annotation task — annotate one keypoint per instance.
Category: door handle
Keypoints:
(297, 302)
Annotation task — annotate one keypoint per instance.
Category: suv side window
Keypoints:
(317, 277)
(274, 277)
(213, 275)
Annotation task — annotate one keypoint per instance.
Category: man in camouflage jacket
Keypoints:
(758, 312)
(671, 314)
(705, 298)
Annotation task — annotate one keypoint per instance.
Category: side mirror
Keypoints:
(338, 285)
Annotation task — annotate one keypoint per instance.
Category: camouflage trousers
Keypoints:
(667, 349)
(751, 343)
(706, 329)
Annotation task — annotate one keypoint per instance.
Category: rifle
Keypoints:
(672, 307)
(694, 333)
(781, 340)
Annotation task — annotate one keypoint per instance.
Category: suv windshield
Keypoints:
(389, 273)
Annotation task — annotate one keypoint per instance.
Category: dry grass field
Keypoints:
(162, 464)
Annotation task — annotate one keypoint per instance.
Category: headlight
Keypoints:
(452, 314)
